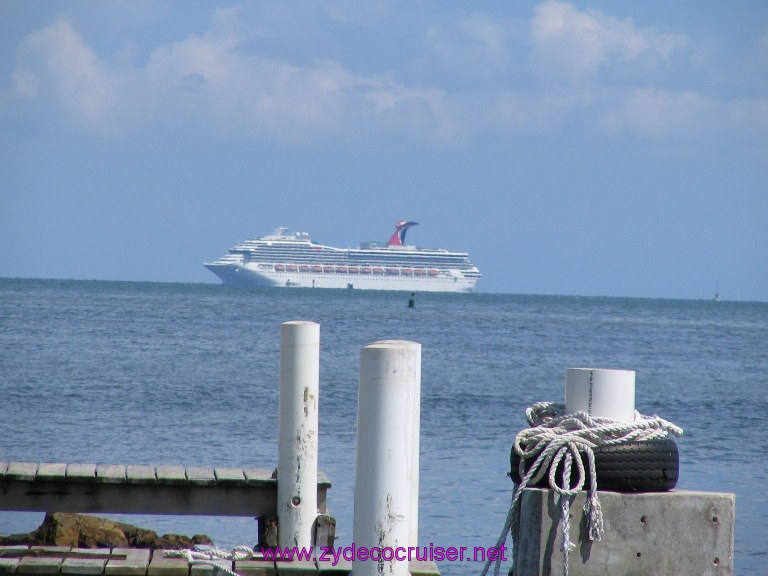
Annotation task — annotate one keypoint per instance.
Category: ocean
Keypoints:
(151, 373)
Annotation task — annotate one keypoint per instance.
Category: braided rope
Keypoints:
(555, 436)
(207, 556)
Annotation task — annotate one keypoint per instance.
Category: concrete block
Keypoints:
(679, 532)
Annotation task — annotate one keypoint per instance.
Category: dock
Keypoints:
(62, 560)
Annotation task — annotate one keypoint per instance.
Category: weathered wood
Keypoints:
(128, 562)
(296, 567)
(10, 557)
(140, 475)
(258, 476)
(171, 475)
(229, 476)
(340, 568)
(22, 471)
(207, 570)
(162, 566)
(255, 568)
(422, 568)
(51, 471)
(325, 531)
(201, 476)
(82, 565)
(41, 564)
(137, 499)
(88, 488)
(81, 472)
(110, 473)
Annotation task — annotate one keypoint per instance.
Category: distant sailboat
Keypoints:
(716, 297)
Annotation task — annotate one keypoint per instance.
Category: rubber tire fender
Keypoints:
(641, 466)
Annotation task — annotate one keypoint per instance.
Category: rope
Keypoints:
(555, 436)
(207, 556)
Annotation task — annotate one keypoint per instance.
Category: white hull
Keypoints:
(250, 275)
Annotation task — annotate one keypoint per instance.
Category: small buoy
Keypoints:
(412, 301)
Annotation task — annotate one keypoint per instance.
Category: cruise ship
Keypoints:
(293, 259)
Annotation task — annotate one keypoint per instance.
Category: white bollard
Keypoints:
(387, 464)
(601, 392)
(298, 433)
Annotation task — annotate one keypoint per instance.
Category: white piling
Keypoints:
(601, 392)
(386, 474)
(298, 433)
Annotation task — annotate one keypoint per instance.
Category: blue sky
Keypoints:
(588, 148)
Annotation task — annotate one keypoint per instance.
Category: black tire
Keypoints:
(645, 466)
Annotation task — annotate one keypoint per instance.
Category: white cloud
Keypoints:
(656, 113)
(235, 81)
(56, 58)
(474, 46)
(571, 45)
(213, 83)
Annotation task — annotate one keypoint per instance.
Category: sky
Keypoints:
(575, 148)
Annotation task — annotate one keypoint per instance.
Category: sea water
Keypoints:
(147, 373)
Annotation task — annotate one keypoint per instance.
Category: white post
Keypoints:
(298, 433)
(601, 392)
(387, 464)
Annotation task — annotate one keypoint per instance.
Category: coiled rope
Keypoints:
(555, 436)
(207, 556)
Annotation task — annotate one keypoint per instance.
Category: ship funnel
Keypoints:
(398, 238)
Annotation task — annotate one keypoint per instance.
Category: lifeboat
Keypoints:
(304, 267)
(406, 271)
(432, 272)
(317, 268)
(420, 272)
(393, 271)
(341, 269)
(354, 269)
(292, 268)
(365, 270)
(377, 270)
(328, 268)
(279, 267)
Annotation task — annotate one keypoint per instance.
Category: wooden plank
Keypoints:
(25, 471)
(258, 477)
(341, 568)
(10, 557)
(297, 567)
(110, 473)
(41, 564)
(81, 472)
(187, 499)
(229, 476)
(52, 471)
(162, 566)
(167, 474)
(140, 475)
(15, 551)
(255, 568)
(421, 568)
(206, 570)
(322, 480)
(128, 562)
(8, 565)
(83, 566)
(201, 476)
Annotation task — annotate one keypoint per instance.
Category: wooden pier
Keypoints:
(44, 560)
(121, 489)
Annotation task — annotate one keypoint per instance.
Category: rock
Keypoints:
(85, 531)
